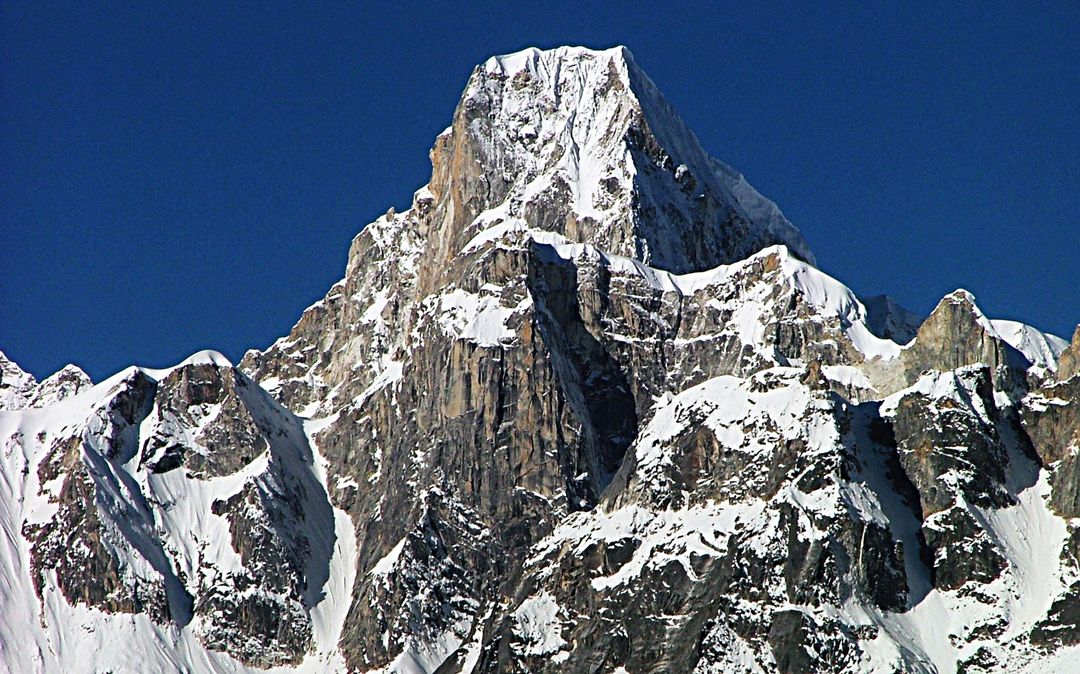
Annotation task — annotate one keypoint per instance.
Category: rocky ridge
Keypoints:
(586, 406)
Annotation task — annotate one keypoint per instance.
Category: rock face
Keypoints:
(1069, 365)
(16, 386)
(586, 406)
(62, 385)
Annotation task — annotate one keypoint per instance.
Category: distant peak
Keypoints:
(207, 357)
(964, 300)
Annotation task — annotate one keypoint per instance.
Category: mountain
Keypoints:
(587, 405)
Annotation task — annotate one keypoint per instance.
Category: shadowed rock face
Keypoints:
(954, 434)
(586, 407)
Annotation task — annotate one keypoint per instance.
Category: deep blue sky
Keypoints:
(173, 179)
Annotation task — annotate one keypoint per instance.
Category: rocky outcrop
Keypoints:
(946, 425)
(957, 334)
(74, 477)
(202, 423)
(1069, 364)
(185, 495)
(16, 386)
(1052, 419)
(61, 385)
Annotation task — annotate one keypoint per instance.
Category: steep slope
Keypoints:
(586, 406)
(185, 498)
(16, 386)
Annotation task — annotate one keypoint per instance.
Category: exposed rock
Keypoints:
(62, 385)
(946, 429)
(203, 424)
(16, 386)
(1069, 363)
(1052, 419)
(957, 334)
(79, 542)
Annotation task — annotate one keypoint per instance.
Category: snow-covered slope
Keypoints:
(108, 540)
(1040, 348)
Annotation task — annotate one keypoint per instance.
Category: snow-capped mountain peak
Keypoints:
(582, 143)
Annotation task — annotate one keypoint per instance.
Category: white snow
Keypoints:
(206, 357)
(477, 317)
(536, 623)
(1040, 348)
(832, 299)
(386, 564)
(847, 375)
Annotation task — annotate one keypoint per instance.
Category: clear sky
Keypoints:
(188, 177)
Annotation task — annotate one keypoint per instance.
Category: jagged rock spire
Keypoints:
(582, 143)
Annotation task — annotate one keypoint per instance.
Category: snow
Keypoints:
(390, 374)
(387, 562)
(832, 299)
(1041, 349)
(206, 357)
(723, 405)
(16, 386)
(424, 657)
(62, 384)
(562, 119)
(328, 615)
(478, 318)
(954, 386)
(759, 209)
(173, 512)
(536, 623)
(53, 635)
(373, 314)
(533, 59)
(847, 375)
(494, 233)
